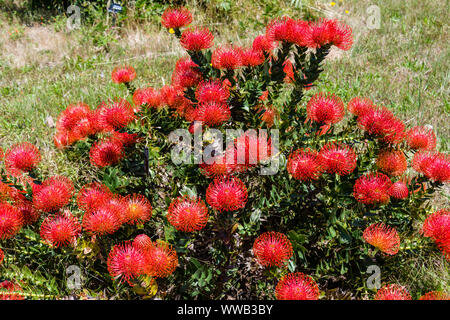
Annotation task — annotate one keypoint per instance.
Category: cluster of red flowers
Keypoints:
(10, 291)
(106, 212)
(142, 256)
(437, 227)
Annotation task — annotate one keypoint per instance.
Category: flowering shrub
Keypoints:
(341, 196)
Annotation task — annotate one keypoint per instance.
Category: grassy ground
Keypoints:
(44, 67)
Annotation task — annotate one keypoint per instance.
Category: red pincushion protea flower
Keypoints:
(360, 106)
(123, 74)
(227, 194)
(138, 209)
(372, 188)
(125, 262)
(382, 123)
(223, 165)
(251, 148)
(10, 291)
(304, 165)
(212, 113)
(392, 292)
(227, 57)
(175, 18)
(21, 158)
(337, 158)
(72, 115)
(399, 190)
(60, 230)
(392, 162)
(2, 256)
(76, 122)
(435, 295)
(382, 237)
(289, 30)
(186, 73)
(106, 152)
(142, 242)
(54, 193)
(161, 260)
(332, 32)
(422, 160)
(252, 57)
(263, 43)
(148, 96)
(115, 115)
(212, 91)
(104, 219)
(438, 168)
(197, 39)
(93, 194)
(421, 138)
(297, 286)
(325, 108)
(437, 227)
(11, 221)
(272, 249)
(188, 214)
(29, 213)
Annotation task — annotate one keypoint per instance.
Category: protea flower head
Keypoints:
(11, 221)
(212, 91)
(147, 96)
(29, 213)
(399, 190)
(60, 230)
(439, 168)
(53, 194)
(212, 113)
(325, 108)
(421, 138)
(93, 194)
(186, 73)
(106, 218)
(252, 57)
(197, 39)
(226, 194)
(123, 74)
(372, 188)
(437, 227)
(116, 114)
(392, 162)
(359, 106)
(188, 214)
(381, 122)
(142, 242)
(175, 18)
(337, 158)
(435, 295)
(382, 237)
(227, 57)
(106, 152)
(161, 260)
(392, 292)
(125, 262)
(332, 32)
(297, 286)
(304, 165)
(22, 157)
(272, 249)
(263, 44)
(138, 209)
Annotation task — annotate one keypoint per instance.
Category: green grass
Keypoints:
(403, 65)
